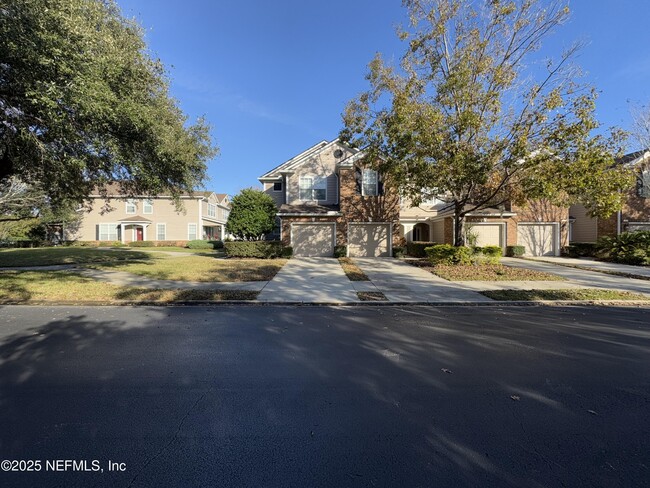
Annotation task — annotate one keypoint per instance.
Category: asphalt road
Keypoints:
(326, 397)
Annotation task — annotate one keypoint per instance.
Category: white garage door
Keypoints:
(638, 226)
(488, 234)
(312, 239)
(538, 239)
(369, 240)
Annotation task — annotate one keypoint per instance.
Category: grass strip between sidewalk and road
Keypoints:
(568, 294)
(24, 287)
(352, 271)
(371, 296)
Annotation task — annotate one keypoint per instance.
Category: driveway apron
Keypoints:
(401, 282)
(310, 280)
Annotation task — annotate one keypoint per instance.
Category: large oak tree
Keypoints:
(83, 103)
(472, 116)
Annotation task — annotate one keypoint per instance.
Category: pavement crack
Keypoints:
(168, 444)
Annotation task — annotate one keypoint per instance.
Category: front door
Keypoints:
(139, 234)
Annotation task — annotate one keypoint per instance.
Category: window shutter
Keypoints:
(380, 184)
(358, 179)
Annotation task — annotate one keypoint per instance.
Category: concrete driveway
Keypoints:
(313, 280)
(401, 282)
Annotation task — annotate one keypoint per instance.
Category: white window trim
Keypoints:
(363, 184)
(164, 226)
(130, 203)
(314, 180)
(196, 231)
(147, 204)
(115, 226)
(212, 207)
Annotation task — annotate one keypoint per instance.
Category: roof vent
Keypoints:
(338, 153)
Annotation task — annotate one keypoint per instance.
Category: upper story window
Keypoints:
(643, 184)
(370, 182)
(277, 186)
(312, 188)
(212, 210)
(130, 206)
(147, 207)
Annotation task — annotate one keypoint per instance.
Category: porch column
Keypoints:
(408, 232)
(122, 232)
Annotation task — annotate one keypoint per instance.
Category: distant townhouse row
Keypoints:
(203, 216)
(327, 196)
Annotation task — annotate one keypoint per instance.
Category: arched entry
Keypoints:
(421, 232)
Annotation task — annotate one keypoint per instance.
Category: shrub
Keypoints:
(340, 251)
(399, 251)
(515, 251)
(142, 244)
(492, 254)
(581, 249)
(417, 248)
(171, 243)
(627, 248)
(448, 254)
(256, 249)
(199, 244)
(252, 214)
(287, 252)
(216, 244)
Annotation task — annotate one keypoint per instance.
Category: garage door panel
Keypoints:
(311, 240)
(488, 234)
(369, 240)
(538, 239)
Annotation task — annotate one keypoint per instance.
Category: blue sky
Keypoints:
(272, 77)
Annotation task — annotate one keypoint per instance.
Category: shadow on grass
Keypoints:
(68, 255)
(170, 296)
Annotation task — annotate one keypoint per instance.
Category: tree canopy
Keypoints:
(83, 103)
(471, 117)
(252, 214)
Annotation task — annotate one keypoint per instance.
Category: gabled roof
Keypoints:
(221, 197)
(289, 165)
(634, 158)
(135, 218)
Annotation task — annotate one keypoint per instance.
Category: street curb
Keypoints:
(203, 303)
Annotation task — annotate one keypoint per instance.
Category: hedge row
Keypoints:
(257, 249)
(416, 249)
(447, 254)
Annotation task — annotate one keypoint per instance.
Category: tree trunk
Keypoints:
(459, 225)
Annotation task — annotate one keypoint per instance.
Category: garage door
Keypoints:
(638, 226)
(312, 239)
(369, 240)
(488, 234)
(538, 239)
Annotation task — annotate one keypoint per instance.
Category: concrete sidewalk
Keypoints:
(592, 264)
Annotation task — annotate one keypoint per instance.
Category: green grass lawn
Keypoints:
(486, 272)
(568, 294)
(45, 256)
(198, 268)
(61, 286)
